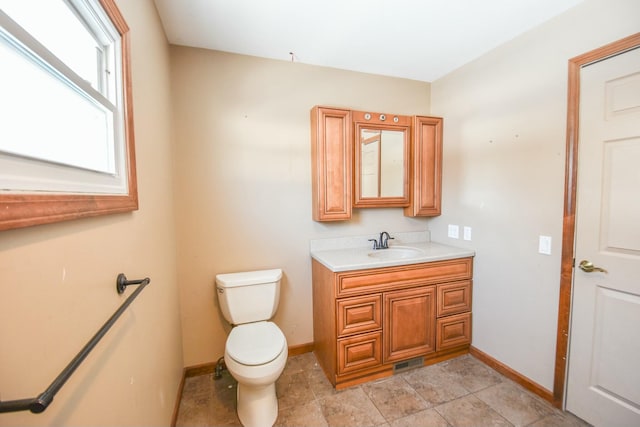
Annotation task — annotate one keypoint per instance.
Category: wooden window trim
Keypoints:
(23, 210)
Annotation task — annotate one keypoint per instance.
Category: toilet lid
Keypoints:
(255, 343)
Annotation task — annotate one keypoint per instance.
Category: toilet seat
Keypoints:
(255, 343)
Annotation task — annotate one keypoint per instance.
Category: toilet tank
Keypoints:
(249, 296)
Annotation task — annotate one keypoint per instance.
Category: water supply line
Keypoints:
(220, 365)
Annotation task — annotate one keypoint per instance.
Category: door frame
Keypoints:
(568, 225)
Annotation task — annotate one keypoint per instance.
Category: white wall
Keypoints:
(504, 139)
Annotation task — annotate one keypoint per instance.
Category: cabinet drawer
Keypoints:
(454, 298)
(391, 278)
(359, 314)
(359, 352)
(453, 331)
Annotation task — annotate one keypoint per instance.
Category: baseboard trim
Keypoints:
(505, 370)
(176, 407)
(297, 350)
(210, 367)
(197, 370)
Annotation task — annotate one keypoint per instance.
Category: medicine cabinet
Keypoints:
(366, 159)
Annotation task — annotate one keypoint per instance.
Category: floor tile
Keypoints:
(293, 389)
(458, 392)
(394, 398)
(471, 373)
(560, 419)
(425, 418)
(469, 411)
(304, 415)
(435, 385)
(351, 408)
(301, 363)
(515, 403)
(206, 401)
(319, 383)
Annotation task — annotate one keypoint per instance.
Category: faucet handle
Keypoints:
(375, 243)
(384, 242)
(387, 241)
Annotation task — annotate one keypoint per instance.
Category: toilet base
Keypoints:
(257, 405)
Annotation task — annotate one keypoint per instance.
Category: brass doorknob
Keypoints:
(588, 267)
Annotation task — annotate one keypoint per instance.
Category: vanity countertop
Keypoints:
(359, 258)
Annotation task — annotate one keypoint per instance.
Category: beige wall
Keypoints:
(240, 180)
(58, 281)
(505, 125)
(243, 179)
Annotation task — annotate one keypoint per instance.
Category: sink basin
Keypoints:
(397, 252)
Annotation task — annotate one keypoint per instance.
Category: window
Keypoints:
(66, 136)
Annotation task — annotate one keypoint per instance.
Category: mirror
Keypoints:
(381, 160)
(381, 163)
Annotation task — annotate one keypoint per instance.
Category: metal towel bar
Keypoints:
(40, 403)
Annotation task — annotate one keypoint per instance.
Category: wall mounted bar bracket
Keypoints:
(122, 282)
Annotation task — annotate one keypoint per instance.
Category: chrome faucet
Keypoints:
(383, 242)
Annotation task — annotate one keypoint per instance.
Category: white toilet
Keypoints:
(256, 349)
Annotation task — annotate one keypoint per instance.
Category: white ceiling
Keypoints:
(414, 39)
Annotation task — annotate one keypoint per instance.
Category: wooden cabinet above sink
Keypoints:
(368, 160)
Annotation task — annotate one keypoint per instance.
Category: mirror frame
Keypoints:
(380, 121)
(26, 209)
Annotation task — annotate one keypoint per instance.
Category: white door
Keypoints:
(603, 385)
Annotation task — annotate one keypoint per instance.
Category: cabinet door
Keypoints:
(331, 163)
(409, 323)
(426, 167)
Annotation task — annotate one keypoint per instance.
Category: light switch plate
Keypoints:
(466, 233)
(544, 245)
(454, 231)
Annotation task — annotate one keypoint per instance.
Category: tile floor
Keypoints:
(458, 392)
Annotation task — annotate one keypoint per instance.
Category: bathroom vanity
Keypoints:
(377, 312)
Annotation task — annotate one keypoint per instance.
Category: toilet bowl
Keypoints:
(256, 349)
(255, 355)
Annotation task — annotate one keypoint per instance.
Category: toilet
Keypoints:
(256, 350)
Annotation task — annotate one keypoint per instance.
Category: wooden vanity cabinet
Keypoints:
(366, 321)
(426, 167)
(331, 163)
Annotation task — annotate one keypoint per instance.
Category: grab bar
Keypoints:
(40, 403)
